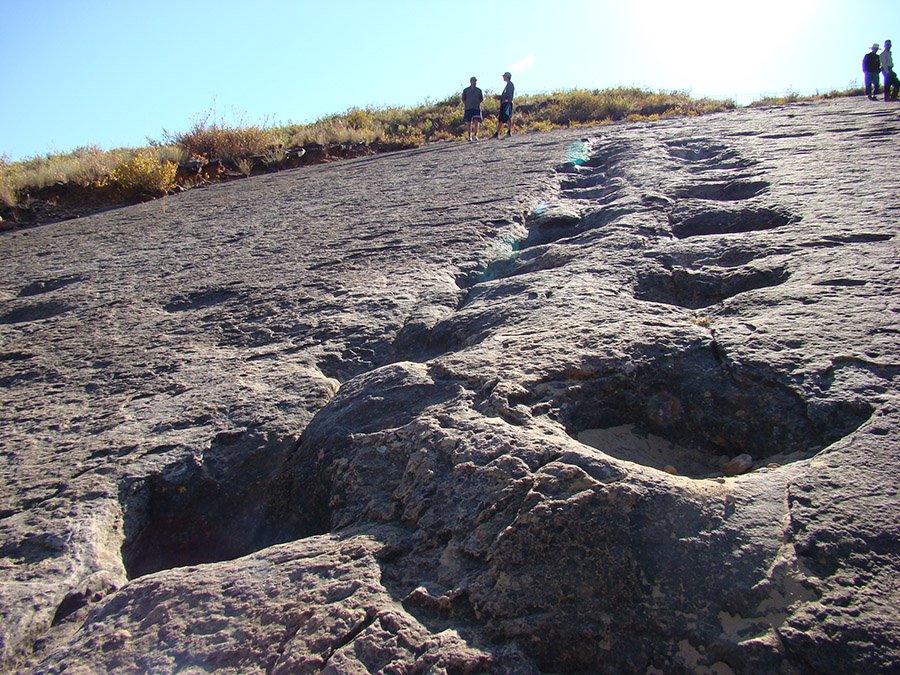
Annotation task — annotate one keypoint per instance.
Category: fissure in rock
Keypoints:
(227, 504)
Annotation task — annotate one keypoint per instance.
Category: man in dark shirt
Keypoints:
(506, 106)
(872, 71)
(472, 99)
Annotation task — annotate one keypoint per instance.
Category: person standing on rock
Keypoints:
(891, 83)
(872, 71)
(472, 99)
(506, 106)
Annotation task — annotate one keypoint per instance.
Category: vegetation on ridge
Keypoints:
(122, 175)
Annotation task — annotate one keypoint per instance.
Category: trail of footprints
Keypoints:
(720, 195)
(720, 198)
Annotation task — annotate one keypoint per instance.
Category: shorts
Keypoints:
(472, 114)
(505, 112)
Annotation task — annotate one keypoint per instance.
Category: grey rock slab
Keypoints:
(311, 606)
(358, 389)
(160, 362)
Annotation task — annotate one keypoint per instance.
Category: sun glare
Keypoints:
(717, 46)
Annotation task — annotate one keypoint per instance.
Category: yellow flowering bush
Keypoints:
(145, 173)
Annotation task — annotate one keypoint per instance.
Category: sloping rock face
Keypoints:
(609, 400)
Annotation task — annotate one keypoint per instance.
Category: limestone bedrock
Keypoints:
(328, 420)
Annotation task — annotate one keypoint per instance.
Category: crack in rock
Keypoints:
(221, 506)
(370, 617)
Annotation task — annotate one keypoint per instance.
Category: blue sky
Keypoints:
(115, 73)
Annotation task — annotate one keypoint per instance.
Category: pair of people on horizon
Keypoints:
(472, 98)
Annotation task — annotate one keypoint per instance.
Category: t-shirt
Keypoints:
(887, 62)
(508, 91)
(871, 63)
(472, 98)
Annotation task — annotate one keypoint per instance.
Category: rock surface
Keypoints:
(329, 419)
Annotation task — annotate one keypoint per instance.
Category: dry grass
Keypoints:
(83, 166)
(582, 106)
(229, 144)
(329, 130)
(275, 155)
(444, 119)
(245, 166)
(8, 194)
(793, 97)
(147, 169)
(775, 100)
(172, 153)
(390, 127)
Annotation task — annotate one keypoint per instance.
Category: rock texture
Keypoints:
(607, 400)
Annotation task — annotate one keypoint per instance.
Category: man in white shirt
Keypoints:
(891, 82)
(506, 107)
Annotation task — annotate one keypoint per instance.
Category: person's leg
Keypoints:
(501, 118)
(505, 117)
(475, 122)
(887, 86)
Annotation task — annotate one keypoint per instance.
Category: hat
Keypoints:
(507, 74)
(875, 46)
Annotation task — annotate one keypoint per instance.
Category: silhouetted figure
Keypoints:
(506, 106)
(872, 71)
(472, 99)
(891, 83)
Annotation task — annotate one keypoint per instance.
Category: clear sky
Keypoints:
(114, 73)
